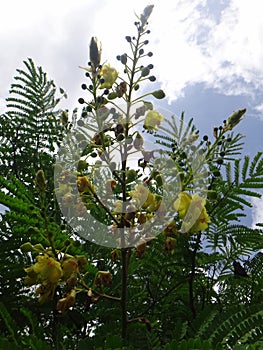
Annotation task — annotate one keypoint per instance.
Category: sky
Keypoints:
(208, 54)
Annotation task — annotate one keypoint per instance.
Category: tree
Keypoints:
(135, 241)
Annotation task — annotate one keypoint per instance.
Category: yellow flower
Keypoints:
(142, 196)
(202, 222)
(109, 75)
(69, 267)
(103, 278)
(192, 210)
(182, 204)
(31, 277)
(118, 207)
(47, 268)
(66, 303)
(152, 120)
(84, 185)
(45, 291)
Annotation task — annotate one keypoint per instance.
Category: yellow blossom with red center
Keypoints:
(69, 267)
(152, 120)
(47, 268)
(109, 75)
(202, 222)
(193, 212)
(142, 196)
(182, 204)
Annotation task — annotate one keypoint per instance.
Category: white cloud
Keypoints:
(217, 43)
(257, 211)
(223, 52)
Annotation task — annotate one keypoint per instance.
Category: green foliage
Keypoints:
(31, 128)
(229, 327)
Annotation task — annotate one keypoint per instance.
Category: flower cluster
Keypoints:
(49, 272)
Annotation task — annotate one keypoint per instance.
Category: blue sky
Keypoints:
(208, 54)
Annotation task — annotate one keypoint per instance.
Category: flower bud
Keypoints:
(69, 267)
(64, 304)
(94, 52)
(145, 72)
(112, 95)
(234, 119)
(138, 142)
(114, 255)
(82, 165)
(170, 229)
(104, 278)
(121, 89)
(140, 249)
(159, 94)
(26, 247)
(146, 14)
(215, 132)
(41, 182)
(131, 175)
(123, 58)
(82, 261)
(169, 244)
(64, 118)
(38, 248)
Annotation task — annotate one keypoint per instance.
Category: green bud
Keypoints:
(159, 94)
(120, 137)
(148, 105)
(131, 175)
(211, 194)
(138, 142)
(67, 242)
(146, 14)
(94, 52)
(26, 247)
(64, 118)
(112, 95)
(39, 248)
(33, 230)
(41, 182)
(145, 72)
(159, 180)
(123, 58)
(234, 119)
(82, 165)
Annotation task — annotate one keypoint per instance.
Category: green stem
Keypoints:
(192, 275)
(124, 320)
